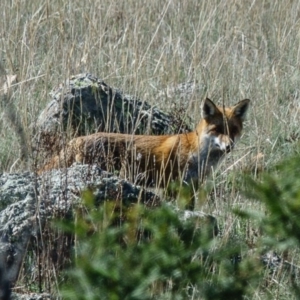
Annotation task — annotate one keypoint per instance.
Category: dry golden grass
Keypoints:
(231, 49)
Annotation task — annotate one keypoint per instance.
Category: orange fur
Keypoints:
(159, 159)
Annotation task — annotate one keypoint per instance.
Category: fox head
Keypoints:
(221, 127)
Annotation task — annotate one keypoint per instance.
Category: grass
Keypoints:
(231, 50)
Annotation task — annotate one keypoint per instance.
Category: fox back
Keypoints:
(159, 159)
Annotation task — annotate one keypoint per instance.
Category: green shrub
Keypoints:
(152, 248)
(151, 254)
(141, 253)
(279, 222)
(279, 191)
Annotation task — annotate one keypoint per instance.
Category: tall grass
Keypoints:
(231, 49)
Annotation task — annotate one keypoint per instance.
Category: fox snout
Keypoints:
(224, 143)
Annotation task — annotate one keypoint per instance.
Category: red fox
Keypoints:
(160, 159)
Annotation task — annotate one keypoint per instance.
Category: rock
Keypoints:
(31, 296)
(5, 289)
(31, 201)
(86, 104)
(275, 263)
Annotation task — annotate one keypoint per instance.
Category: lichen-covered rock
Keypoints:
(31, 296)
(15, 187)
(86, 104)
(28, 202)
(83, 105)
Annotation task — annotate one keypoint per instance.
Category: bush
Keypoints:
(138, 253)
(151, 254)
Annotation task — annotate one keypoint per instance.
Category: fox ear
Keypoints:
(208, 109)
(241, 108)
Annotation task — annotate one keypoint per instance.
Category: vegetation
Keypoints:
(230, 50)
(153, 255)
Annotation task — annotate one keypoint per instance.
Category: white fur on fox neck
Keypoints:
(212, 152)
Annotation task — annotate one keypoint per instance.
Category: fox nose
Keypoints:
(225, 146)
(228, 148)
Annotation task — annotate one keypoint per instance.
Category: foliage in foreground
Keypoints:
(279, 191)
(154, 254)
(279, 222)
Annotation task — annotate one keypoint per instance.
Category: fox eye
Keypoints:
(213, 129)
